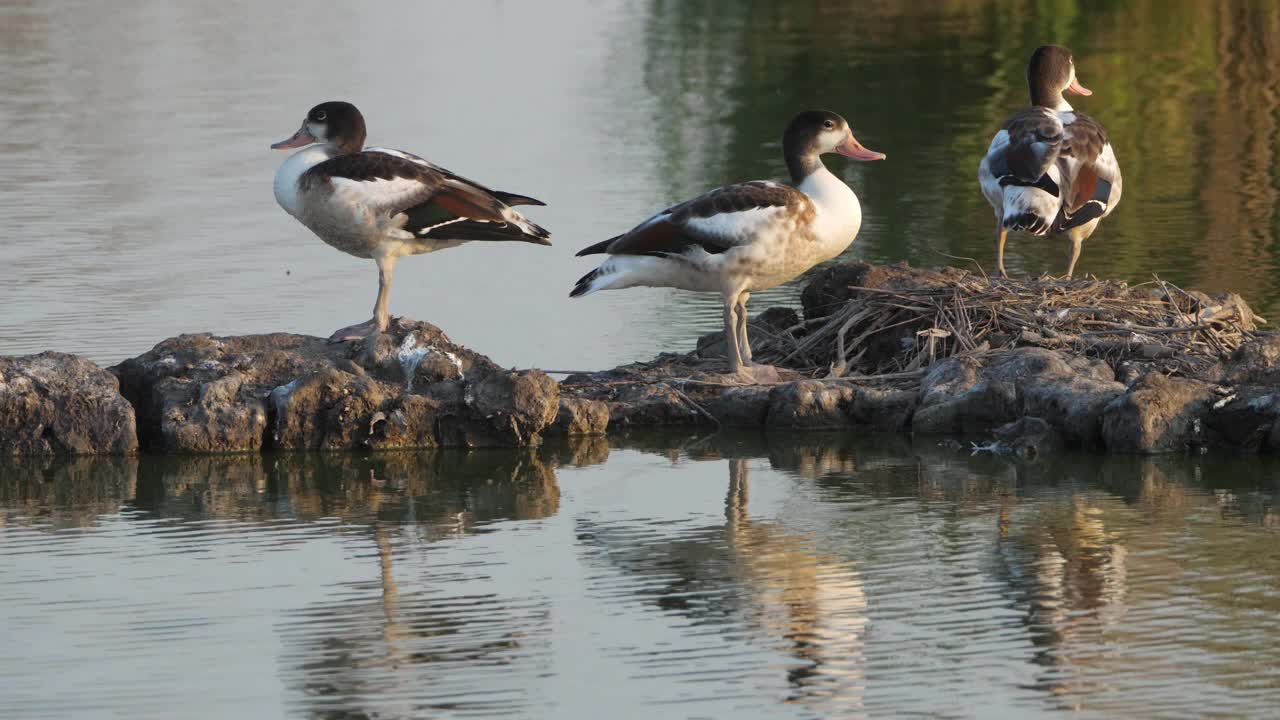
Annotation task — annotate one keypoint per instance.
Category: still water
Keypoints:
(727, 576)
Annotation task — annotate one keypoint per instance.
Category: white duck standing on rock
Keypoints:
(738, 239)
(384, 204)
(1050, 169)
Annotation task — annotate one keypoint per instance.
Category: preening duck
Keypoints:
(746, 237)
(1050, 169)
(384, 204)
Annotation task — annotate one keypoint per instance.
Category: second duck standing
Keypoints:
(1050, 168)
(746, 237)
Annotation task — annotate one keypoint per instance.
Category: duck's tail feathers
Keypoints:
(515, 199)
(598, 248)
(586, 284)
(609, 276)
(471, 230)
(1028, 221)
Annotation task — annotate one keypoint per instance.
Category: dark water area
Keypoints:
(753, 576)
(672, 576)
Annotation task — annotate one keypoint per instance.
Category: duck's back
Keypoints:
(1020, 175)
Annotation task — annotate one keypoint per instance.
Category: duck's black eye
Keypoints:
(320, 115)
(829, 124)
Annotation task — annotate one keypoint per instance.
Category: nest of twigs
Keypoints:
(919, 317)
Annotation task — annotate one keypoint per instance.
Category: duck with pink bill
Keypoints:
(384, 204)
(742, 238)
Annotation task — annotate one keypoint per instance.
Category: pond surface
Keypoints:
(727, 576)
(669, 576)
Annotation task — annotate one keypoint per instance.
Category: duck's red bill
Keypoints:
(300, 138)
(854, 149)
(1078, 89)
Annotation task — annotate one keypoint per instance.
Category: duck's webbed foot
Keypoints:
(359, 331)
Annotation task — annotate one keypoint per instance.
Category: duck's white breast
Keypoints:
(839, 214)
(286, 182)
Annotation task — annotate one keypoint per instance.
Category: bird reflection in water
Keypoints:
(746, 580)
(1068, 573)
(380, 648)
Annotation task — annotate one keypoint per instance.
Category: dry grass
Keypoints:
(905, 329)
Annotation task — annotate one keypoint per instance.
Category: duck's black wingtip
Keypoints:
(517, 199)
(583, 285)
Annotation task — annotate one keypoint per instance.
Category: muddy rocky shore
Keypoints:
(1031, 365)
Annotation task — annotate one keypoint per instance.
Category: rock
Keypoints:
(817, 404)
(579, 416)
(882, 409)
(972, 395)
(509, 405)
(55, 403)
(1256, 362)
(411, 387)
(1158, 414)
(746, 406)
(1028, 437)
(810, 405)
(1244, 417)
(657, 405)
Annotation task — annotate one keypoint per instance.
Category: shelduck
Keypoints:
(385, 204)
(738, 239)
(1050, 169)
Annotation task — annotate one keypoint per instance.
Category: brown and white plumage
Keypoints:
(1050, 169)
(740, 238)
(384, 204)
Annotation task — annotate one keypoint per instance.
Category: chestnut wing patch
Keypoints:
(1086, 141)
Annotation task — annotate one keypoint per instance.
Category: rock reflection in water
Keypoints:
(445, 492)
(64, 492)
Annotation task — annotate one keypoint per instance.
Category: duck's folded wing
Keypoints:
(1035, 139)
(508, 198)
(430, 199)
(713, 222)
(1091, 165)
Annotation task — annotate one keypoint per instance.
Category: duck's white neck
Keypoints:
(826, 190)
(839, 212)
(286, 184)
(1064, 106)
